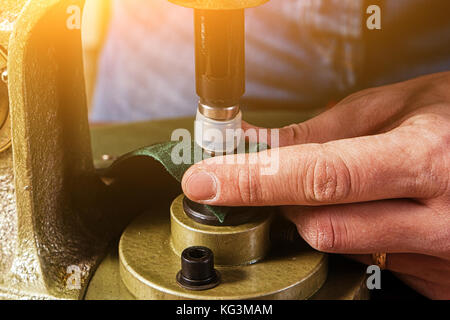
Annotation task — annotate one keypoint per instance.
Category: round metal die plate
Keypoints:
(149, 265)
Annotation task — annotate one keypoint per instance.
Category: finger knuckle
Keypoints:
(320, 233)
(297, 133)
(439, 158)
(439, 143)
(327, 180)
(248, 185)
(435, 153)
(367, 98)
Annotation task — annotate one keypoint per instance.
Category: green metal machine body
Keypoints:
(60, 218)
(49, 187)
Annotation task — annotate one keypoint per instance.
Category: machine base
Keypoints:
(149, 265)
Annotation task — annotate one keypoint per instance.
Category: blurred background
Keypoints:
(139, 57)
(301, 55)
(97, 14)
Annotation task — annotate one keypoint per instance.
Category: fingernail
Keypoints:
(201, 186)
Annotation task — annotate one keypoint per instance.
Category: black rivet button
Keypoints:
(197, 269)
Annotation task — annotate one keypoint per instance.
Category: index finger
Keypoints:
(344, 171)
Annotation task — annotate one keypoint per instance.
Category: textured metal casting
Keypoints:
(50, 225)
(5, 122)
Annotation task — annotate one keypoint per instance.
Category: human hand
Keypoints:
(370, 175)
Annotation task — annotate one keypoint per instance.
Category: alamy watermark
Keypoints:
(374, 20)
(373, 282)
(74, 19)
(73, 22)
(74, 274)
(267, 160)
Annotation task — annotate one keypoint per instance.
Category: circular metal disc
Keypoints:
(148, 268)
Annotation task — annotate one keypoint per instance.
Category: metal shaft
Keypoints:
(220, 61)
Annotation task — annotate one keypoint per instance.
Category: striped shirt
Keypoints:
(299, 53)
